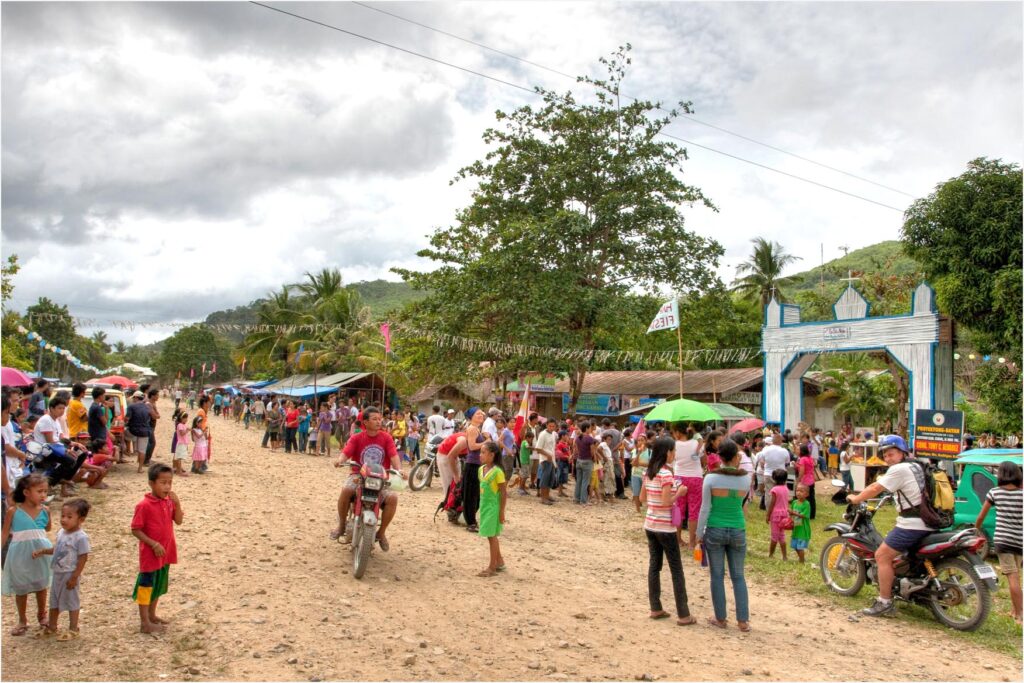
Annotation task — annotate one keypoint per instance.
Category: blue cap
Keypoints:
(892, 441)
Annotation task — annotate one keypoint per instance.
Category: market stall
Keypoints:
(865, 465)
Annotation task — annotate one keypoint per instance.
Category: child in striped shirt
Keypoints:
(1008, 499)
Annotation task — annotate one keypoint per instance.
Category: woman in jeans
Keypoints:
(722, 528)
(659, 492)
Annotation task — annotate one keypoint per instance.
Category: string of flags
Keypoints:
(36, 339)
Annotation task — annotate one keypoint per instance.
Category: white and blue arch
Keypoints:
(790, 347)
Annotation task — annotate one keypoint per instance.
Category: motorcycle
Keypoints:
(365, 514)
(425, 469)
(945, 572)
(53, 461)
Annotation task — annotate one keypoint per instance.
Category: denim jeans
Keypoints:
(412, 447)
(727, 545)
(584, 468)
(303, 440)
(665, 545)
(563, 473)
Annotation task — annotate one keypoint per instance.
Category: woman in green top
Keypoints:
(640, 462)
(722, 529)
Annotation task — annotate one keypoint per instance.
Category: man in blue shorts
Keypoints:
(906, 482)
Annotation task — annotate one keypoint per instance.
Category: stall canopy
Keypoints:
(305, 392)
(258, 385)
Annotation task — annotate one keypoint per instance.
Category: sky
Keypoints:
(161, 161)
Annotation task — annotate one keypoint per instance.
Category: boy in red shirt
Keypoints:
(152, 525)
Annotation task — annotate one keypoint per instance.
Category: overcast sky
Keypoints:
(165, 160)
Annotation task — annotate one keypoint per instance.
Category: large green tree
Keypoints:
(967, 236)
(188, 349)
(577, 204)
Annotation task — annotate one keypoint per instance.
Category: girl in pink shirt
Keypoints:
(778, 511)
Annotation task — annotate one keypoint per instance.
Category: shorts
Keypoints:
(149, 586)
(691, 500)
(905, 540)
(778, 533)
(635, 484)
(524, 470)
(139, 443)
(62, 598)
(181, 452)
(1009, 563)
(546, 477)
(799, 543)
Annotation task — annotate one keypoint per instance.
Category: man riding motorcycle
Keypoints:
(372, 446)
(905, 481)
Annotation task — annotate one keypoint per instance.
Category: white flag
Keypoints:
(667, 318)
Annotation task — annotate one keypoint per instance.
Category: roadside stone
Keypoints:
(256, 655)
(563, 644)
(409, 660)
(293, 660)
(193, 670)
(746, 672)
(533, 665)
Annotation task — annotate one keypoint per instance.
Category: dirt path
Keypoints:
(261, 594)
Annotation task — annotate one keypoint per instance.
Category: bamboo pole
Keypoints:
(679, 338)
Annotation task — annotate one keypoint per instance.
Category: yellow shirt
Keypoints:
(78, 418)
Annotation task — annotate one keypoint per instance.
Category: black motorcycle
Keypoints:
(946, 571)
(425, 469)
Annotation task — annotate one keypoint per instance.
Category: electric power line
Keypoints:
(689, 117)
(534, 91)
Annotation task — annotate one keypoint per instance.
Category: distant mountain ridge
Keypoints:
(886, 256)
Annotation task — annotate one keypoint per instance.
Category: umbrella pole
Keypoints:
(679, 338)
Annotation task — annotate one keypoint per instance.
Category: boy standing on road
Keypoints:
(153, 524)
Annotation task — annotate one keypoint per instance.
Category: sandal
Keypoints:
(384, 545)
(501, 568)
(68, 635)
(19, 630)
(45, 633)
(716, 623)
(336, 534)
(743, 626)
(686, 621)
(660, 615)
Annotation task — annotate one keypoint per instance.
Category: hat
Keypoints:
(451, 410)
(494, 410)
(138, 394)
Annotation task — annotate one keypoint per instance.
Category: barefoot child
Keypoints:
(200, 454)
(492, 504)
(777, 511)
(800, 509)
(153, 525)
(69, 558)
(1008, 500)
(181, 432)
(24, 572)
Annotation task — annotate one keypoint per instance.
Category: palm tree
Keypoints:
(278, 310)
(762, 273)
(120, 347)
(323, 286)
(100, 339)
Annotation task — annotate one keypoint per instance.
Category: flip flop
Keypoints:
(44, 634)
(743, 626)
(336, 534)
(660, 615)
(688, 621)
(501, 568)
(68, 635)
(384, 545)
(19, 630)
(486, 573)
(716, 623)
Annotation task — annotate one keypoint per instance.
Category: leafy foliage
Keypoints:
(189, 348)
(760, 276)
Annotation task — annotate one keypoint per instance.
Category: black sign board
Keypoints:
(938, 433)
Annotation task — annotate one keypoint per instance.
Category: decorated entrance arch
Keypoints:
(919, 341)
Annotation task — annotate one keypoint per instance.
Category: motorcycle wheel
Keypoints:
(361, 560)
(421, 475)
(842, 571)
(964, 602)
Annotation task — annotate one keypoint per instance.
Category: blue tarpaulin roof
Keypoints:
(258, 385)
(306, 391)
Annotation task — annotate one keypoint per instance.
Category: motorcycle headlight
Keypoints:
(374, 484)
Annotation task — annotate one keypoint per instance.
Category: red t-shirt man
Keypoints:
(377, 449)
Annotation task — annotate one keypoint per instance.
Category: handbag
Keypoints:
(787, 524)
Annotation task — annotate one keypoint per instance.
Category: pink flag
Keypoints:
(191, 373)
(385, 329)
(214, 368)
(641, 428)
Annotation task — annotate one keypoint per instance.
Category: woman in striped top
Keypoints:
(1008, 499)
(723, 529)
(660, 494)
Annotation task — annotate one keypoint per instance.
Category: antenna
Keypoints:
(845, 249)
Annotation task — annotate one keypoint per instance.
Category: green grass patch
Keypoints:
(998, 633)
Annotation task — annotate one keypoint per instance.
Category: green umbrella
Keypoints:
(682, 410)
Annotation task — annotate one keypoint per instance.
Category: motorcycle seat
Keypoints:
(940, 537)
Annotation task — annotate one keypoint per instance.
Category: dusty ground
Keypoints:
(261, 594)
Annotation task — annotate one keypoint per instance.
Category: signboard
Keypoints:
(539, 383)
(747, 398)
(836, 333)
(594, 404)
(938, 433)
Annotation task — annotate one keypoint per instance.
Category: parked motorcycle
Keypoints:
(946, 572)
(365, 515)
(425, 469)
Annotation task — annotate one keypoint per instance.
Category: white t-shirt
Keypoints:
(844, 464)
(177, 395)
(687, 462)
(46, 424)
(14, 468)
(449, 427)
(902, 478)
(490, 427)
(775, 457)
(435, 425)
(545, 441)
(746, 464)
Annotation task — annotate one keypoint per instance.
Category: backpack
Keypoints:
(936, 507)
(452, 501)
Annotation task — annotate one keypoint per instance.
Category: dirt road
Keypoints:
(261, 594)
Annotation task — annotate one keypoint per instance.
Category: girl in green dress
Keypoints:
(492, 504)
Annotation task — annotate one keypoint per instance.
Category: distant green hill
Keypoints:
(887, 256)
(381, 296)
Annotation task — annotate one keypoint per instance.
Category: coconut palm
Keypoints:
(323, 286)
(762, 272)
(278, 310)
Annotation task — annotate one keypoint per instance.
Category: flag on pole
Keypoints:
(213, 370)
(204, 369)
(641, 428)
(667, 318)
(298, 354)
(385, 329)
(521, 417)
(191, 373)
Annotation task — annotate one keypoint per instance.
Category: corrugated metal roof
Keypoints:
(666, 382)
